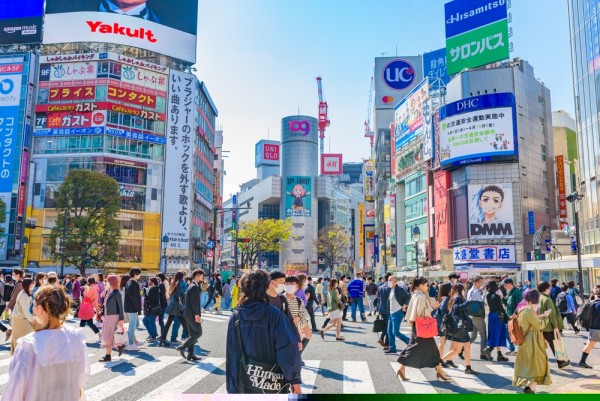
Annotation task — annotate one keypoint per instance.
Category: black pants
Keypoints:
(164, 331)
(549, 336)
(383, 335)
(195, 332)
(311, 313)
(571, 319)
(89, 322)
(345, 311)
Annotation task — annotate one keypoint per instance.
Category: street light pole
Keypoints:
(416, 237)
(574, 198)
(64, 245)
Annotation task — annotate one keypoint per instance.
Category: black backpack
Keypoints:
(8, 290)
(561, 302)
(584, 315)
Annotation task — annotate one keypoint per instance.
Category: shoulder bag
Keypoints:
(378, 324)
(426, 326)
(256, 377)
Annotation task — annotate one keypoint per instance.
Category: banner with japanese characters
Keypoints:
(179, 157)
(485, 254)
(478, 129)
(491, 214)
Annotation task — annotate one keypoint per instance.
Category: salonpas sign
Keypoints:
(476, 33)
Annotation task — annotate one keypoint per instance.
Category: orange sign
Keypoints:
(562, 191)
(131, 96)
(72, 93)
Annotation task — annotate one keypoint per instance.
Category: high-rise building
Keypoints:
(585, 57)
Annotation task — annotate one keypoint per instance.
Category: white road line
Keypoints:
(121, 382)
(417, 383)
(213, 319)
(222, 389)
(98, 367)
(465, 380)
(357, 378)
(6, 361)
(186, 380)
(309, 376)
(502, 370)
(3, 379)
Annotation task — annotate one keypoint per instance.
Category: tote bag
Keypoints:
(427, 327)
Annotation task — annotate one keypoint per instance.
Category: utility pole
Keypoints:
(575, 198)
(214, 239)
(64, 245)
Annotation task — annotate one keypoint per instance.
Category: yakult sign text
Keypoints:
(179, 169)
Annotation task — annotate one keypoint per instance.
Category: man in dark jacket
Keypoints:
(554, 289)
(510, 301)
(18, 283)
(398, 300)
(356, 291)
(192, 316)
(266, 335)
(383, 295)
(311, 299)
(162, 290)
(218, 292)
(133, 306)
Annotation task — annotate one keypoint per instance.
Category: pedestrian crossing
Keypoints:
(318, 376)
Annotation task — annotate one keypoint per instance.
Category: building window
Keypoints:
(543, 152)
(547, 205)
(545, 177)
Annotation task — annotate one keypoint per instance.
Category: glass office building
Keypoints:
(585, 54)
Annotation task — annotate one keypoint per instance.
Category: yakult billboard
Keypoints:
(158, 26)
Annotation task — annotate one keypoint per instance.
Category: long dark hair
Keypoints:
(176, 281)
(417, 281)
(445, 290)
(332, 284)
(254, 286)
(457, 290)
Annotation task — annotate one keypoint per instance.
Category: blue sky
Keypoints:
(259, 60)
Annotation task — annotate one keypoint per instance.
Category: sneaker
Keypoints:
(132, 347)
(391, 352)
(380, 342)
(563, 364)
(461, 356)
(386, 347)
(175, 341)
(585, 365)
(139, 343)
(8, 334)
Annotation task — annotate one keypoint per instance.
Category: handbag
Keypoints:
(378, 325)
(475, 309)
(256, 377)
(86, 310)
(120, 337)
(426, 327)
(560, 351)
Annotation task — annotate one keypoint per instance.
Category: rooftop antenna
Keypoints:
(383, 54)
(268, 133)
(396, 50)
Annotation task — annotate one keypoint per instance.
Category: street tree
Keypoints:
(332, 245)
(87, 229)
(262, 236)
(3, 239)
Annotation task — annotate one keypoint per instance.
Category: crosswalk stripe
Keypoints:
(357, 378)
(186, 380)
(113, 386)
(98, 367)
(222, 389)
(310, 370)
(213, 319)
(502, 370)
(467, 381)
(417, 383)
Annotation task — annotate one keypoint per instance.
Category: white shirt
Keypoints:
(49, 365)
(394, 305)
(475, 294)
(22, 305)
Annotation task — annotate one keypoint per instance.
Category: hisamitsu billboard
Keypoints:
(465, 15)
(163, 27)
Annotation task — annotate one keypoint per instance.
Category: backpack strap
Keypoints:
(238, 335)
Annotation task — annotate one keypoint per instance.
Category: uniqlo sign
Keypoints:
(331, 164)
(271, 152)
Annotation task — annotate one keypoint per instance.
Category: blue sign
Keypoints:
(10, 9)
(399, 74)
(466, 15)
(376, 248)
(531, 220)
(234, 199)
(69, 131)
(210, 244)
(548, 243)
(434, 66)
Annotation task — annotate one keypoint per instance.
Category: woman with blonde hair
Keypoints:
(40, 368)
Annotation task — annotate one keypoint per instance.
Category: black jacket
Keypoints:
(114, 305)
(218, 288)
(402, 297)
(460, 309)
(311, 296)
(192, 302)
(152, 299)
(163, 295)
(133, 299)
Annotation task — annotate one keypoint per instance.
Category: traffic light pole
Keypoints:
(63, 246)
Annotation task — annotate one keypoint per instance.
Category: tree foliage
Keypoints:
(2, 214)
(264, 235)
(332, 245)
(90, 201)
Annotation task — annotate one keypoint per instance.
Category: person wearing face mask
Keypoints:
(22, 319)
(297, 309)
(275, 298)
(40, 280)
(335, 314)
(40, 362)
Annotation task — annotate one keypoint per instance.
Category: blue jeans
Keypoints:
(133, 325)
(175, 333)
(203, 299)
(361, 308)
(511, 346)
(393, 330)
(150, 324)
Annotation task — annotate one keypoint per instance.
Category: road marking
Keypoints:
(467, 381)
(98, 367)
(310, 371)
(417, 383)
(502, 370)
(357, 378)
(214, 319)
(121, 382)
(222, 389)
(6, 361)
(186, 380)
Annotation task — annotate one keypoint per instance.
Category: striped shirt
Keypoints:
(297, 309)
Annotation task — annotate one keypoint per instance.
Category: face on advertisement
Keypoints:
(490, 201)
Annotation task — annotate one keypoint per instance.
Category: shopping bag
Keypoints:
(378, 325)
(560, 351)
(120, 336)
(86, 311)
(426, 327)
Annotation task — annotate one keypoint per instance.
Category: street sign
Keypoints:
(234, 199)
(210, 253)
(210, 244)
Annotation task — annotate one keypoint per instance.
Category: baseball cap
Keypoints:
(507, 281)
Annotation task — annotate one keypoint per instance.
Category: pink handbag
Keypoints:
(426, 327)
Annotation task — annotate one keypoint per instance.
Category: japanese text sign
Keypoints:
(484, 254)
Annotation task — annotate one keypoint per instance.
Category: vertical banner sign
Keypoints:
(562, 192)
(10, 98)
(361, 222)
(434, 66)
(369, 180)
(531, 222)
(298, 199)
(178, 169)
(375, 250)
(476, 33)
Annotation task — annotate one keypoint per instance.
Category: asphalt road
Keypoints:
(356, 365)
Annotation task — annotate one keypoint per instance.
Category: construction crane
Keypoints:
(368, 132)
(323, 121)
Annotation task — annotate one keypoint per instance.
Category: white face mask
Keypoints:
(280, 288)
(290, 289)
(45, 281)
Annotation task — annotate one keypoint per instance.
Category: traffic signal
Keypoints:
(537, 254)
(88, 262)
(245, 240)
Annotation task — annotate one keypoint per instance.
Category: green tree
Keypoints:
(332, 245)
(264, 235)
(2, 214)
(87, 206)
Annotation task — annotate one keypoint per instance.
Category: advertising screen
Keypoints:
(408, 116)
(179, 162)
(476, 33)
(478, 129)
(369, 180)
(331, 164)
(21, 21)
(298, 198)
(491, 213)
(394, 78)
(159, 26)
